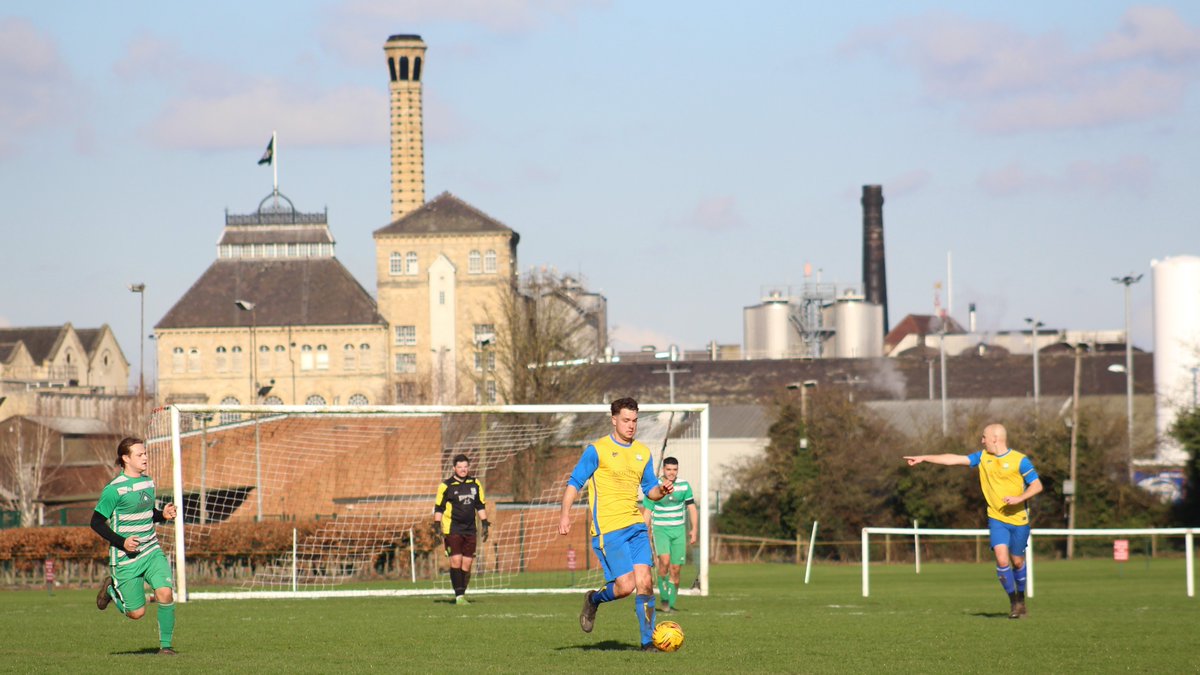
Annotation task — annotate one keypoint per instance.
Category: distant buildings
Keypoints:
(51, 369)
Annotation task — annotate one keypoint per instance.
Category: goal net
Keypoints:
(300, 501)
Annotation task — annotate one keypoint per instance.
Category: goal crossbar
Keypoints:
(1188, 534)
(182, 429)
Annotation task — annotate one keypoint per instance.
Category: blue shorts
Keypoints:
(1015, 537)
(623, 549)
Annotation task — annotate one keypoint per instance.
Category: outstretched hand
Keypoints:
(914, 460)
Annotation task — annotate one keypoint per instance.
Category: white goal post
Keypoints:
(916, 532)
(287, 501)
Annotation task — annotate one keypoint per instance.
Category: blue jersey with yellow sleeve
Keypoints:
(613, 472)
(1003, 476)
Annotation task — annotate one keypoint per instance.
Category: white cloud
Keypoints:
(35, 82)
(627, 338)
(342, 116)
(713, 214)
(1009, 81)
(1131, 173)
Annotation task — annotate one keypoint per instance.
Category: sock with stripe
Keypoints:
(1019, 576)
(645, 613)
(672, 594)
(166, 623)
(1006, 579)
(606, 594)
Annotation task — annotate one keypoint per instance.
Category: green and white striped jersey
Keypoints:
(671, 510)
(127, 503)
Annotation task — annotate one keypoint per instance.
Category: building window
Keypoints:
(264, 358)
(358, 399)
(364, 357)
(293, 250)
(222, 362)
(228, 417)
(406, 363)
(322, 357)
(272, 400)
(410, 263)
(489, 262)
(395, 264)
(350, 358)
(315, 399)
(484, 331)
(194, 360)
(473, 263)
(238, 363)
(441, 297)
(486, 393)
(177, 360)
(491, 361)
(306, 357)
(406, 336)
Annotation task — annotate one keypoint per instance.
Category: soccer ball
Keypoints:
(668, 636)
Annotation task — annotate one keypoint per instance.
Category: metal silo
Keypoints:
(859, 327)
(1176, 344)
(768, 330)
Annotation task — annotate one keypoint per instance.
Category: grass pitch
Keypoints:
(1087, 616)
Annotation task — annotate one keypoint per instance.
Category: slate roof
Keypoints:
(39, 340)
(446, 214)
(285, 292)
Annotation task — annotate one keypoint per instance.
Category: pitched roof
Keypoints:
(90, 337)
(446, 214)
(921, 324)
(39, 340)
(304, 292)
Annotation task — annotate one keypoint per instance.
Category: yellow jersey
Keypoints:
(613, 472)
(1003, 476)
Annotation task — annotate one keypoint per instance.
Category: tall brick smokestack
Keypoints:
(874, 268)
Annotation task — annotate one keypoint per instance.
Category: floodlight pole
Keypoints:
(1128, 280)
(1037, 380)
(140, 289)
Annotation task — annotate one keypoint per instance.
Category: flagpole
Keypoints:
(275, 167)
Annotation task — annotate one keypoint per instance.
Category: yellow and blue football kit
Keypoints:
(1002, 476)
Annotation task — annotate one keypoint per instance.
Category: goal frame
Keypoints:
(176, 411)
(916, 532)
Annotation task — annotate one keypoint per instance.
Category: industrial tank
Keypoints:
(859, 326)
(1176, 345)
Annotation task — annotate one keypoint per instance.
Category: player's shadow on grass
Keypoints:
(137, 652)
(605, 646)
(990, 615)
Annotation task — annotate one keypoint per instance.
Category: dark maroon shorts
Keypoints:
(461, 544)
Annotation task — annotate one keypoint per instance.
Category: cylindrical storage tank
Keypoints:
(859, 326)
(1176, 344)
(766, 329)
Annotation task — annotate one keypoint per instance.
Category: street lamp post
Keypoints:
(140, 289)
(803, 387)
(1037, 381)
(247, 306)
(1127, 281)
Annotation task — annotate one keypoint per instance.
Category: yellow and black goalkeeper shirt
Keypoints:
(464, 497)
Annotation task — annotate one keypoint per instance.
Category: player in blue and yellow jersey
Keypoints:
(125, 516)
(1008, 481)
(613, 468)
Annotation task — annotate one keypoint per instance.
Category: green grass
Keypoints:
(1087, 616)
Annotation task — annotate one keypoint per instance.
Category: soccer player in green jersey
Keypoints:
(666, 521)
(125, 517)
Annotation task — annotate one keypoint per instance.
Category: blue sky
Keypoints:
(681, 156)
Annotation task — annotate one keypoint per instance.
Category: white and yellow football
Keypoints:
(668, 636)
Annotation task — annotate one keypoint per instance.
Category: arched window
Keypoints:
(272, 400)
(417, 69)
(473, 266)
(315, 399)
(306, 357)
(351, 360)
(227, 417)
(392, 68)
(264, 358)
(193, 360)
(358, 399)
(364, 357)
(395, 264)
(104, 360)
(322, 357)
(177, 360)
(68, 356)
(489, 262)
(403, 68)
(410, 262)
(222, 361)
(237, 361)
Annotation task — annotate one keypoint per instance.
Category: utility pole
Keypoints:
(1071, 488)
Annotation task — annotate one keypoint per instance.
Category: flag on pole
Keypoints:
(270, 152)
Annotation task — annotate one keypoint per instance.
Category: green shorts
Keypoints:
(129, 580)
(671, 541)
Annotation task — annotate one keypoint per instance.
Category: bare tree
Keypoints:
(27, 466)
(546, 339)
